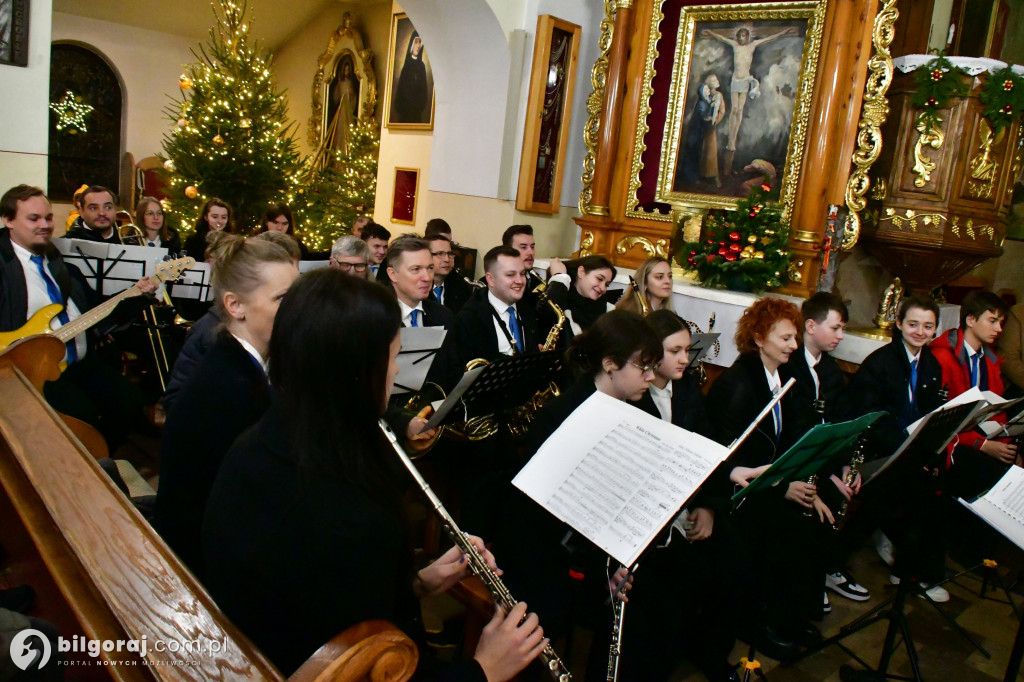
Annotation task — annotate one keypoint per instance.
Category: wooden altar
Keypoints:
(620, 216)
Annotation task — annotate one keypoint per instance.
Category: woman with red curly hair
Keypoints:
(783, 522)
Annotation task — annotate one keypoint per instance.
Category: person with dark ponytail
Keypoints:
(304, 533)
(566, 581)
(580, 288)
(226, 392)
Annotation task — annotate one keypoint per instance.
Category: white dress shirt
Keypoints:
(251, 350)
(662, 400)
(504, 347)
(811, 363)
(39, 294)
(775, 384)
(407, 313)
(912, 358)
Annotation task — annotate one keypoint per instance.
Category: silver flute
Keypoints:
(619, 619)
(500, 594)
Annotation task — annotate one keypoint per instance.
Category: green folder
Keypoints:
(820, 446)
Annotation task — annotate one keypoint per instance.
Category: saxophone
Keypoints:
(645, 307)
(494, 585)
(521, 417)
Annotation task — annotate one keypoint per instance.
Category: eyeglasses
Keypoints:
(345, 267)
(644, 369)
(443, 254)
(153, 214)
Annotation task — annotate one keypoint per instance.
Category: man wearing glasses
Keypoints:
(351, 255)
(450, 288)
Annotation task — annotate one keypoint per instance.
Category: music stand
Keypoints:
(932, 435)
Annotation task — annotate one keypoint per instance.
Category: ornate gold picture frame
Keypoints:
(738, 103)
(409, 102)
(344, 73)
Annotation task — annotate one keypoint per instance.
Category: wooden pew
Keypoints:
(101, 571)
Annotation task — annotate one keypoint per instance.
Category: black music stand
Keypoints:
(938, 429)
(510, 380)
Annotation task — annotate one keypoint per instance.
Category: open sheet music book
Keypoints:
(1002, 507)
(617, 474)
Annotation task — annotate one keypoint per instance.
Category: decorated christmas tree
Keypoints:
(744, 249)
(230, 138)
(344, 189)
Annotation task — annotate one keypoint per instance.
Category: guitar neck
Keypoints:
(86, 320)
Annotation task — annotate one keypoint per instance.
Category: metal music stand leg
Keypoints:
(891, 610)
(751, 666)
(1016, 654)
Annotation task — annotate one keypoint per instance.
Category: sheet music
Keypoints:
(1003, 506)
(453, 399)
(617, 474)
(195, 283)
(419, 348)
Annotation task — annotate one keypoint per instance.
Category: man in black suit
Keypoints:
(450, 288)
(377, 238)
(492, 323)
(410, 269)
(520, 237)
(98, 213)
(33, 275)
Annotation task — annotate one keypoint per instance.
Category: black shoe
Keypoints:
(806, 636)
(771, 643)
(18, 599)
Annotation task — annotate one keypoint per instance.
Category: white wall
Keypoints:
(24, 117)
(148, 64)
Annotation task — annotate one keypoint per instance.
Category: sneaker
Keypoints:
(937, 593)
(842, 584)
(883, 546)
(826, 607)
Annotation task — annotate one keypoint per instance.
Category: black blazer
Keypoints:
(832, 382)
(688, 410)
(456, 292)
(226, 394)
(584, 311)
(195, 245)
(881, 385)
(278, 542)
(436, 315)
(734, 401)
(472, 335)
(80, 231)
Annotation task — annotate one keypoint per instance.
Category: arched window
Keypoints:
(85, 121)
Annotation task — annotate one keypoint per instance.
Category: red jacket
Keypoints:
(949, 350)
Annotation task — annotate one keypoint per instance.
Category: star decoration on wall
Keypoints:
(71, 113)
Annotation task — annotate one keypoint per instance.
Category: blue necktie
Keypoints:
(777, 412)
(513, 328)
(152, 243)
(55, 297)
(974, 368)
(373, 269)
(913, 381)
(438, 292)
(415, 317)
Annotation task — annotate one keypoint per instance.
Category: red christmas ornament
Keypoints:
(691, 261)
(1007, 85)
(735, 248)
(931, 102)
(711, 258)
(735, 236)
(722, 251)
(766, 187)
(693, 253)
(730, 257)
(710, 242)
(936, 75)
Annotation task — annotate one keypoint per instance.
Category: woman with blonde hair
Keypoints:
(227, 392)
(654, 278)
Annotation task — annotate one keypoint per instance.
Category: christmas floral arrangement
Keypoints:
(1003, 97)
(938, 81)
(744, 249)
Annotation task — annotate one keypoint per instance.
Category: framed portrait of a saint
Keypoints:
(740, 98)
(410, 81)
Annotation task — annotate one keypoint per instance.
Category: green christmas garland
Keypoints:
(937, 82)
(745, 249)
(1003, 97)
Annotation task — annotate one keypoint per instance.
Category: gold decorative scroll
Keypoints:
(928, 136)
(910, 218)
(794, 271)
(972, 231)
(658, 248)
(881, 189)
(592, 129)
(586, 243)
(873, 114)
(984, 169)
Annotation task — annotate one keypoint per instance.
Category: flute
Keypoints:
(559, 671)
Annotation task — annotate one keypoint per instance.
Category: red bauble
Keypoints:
(735, 248)
(735, 236)
(1008, 85)
(731, 257)
(722, 251)
(711, 258)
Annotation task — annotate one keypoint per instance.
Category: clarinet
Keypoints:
(495, 586)
(855, 464)
(615, 651)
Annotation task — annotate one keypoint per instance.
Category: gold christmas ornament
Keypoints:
(169, 165)
(752, 239)
(218, 140)
(184, 82)
(744, 255)
(182, 122)
(191, 192)
(759, 255)
(245, 123)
